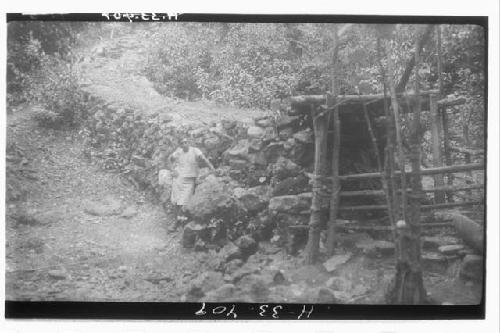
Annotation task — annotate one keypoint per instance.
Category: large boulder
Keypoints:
(292, 185)
(264, 122)
(472, 267)
(239, 151)
(212, 200)
(302, 154)
(273, 151)
(287, 121)
(305, 136)
(291, 203)
(255, 131)
(285, 168)
(254, 199)
(247, 246)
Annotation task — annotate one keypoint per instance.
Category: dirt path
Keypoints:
(71, 255)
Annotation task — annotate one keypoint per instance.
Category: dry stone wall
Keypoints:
(261, 187)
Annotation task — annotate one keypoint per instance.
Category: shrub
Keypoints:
(56, 89)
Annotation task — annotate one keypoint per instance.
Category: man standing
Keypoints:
(184, 164)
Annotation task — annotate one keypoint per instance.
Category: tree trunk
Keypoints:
(408, 286)
(320, 126)
(411, 62)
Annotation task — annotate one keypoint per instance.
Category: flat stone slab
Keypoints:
(375, 247)
(57, 274)
(434, 242)
(334, 262)
(129, 212)
(450, 249)
(106, 207)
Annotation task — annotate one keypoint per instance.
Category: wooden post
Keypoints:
(387, 174)
(397, 125)
(407, 285)
(444, 116)
(467, 155)
(334, 198)
(436, 148)
(320, 126)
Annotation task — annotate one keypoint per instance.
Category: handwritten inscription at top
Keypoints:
(131, 17)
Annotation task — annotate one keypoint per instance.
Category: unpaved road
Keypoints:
(72, 255)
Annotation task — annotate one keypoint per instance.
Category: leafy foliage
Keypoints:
(40, 69)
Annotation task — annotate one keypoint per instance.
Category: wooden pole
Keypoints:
(423, 207)
(320, 127)
(397, 125)
(436, 148)
(424, 172)
(388, 175)
(408, 286)
(334, 198)
(443, 113)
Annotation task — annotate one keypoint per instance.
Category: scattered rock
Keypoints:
(232, 266)
(247, 246)
(156, 279)
(107, 206)
(292, 185)
(326, 296)
(193, 295)
(472, 267)
(273, 151)
(372, 248)
(247, 269)
(129, 212)
(334, 262)
(450, 249)
(230, 252)
(285, 168)
(434, 242)
(435, 262)
(265, 122)
(255, 132)
(288, 121)
(256, 145)
(305, 136)
(191, 234)
(238, 164)
(221, 294)
(207, 281)
(256, 286)
(339, 283)
(57, 274)
(291, 203)
(279, 277)
(239, 151)
(253, 200)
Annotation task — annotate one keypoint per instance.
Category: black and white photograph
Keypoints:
(150, 158)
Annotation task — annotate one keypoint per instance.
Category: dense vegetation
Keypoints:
(247, 65)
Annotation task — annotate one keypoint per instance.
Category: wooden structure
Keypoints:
(363, 125)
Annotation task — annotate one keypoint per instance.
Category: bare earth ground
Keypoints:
(101, 257)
